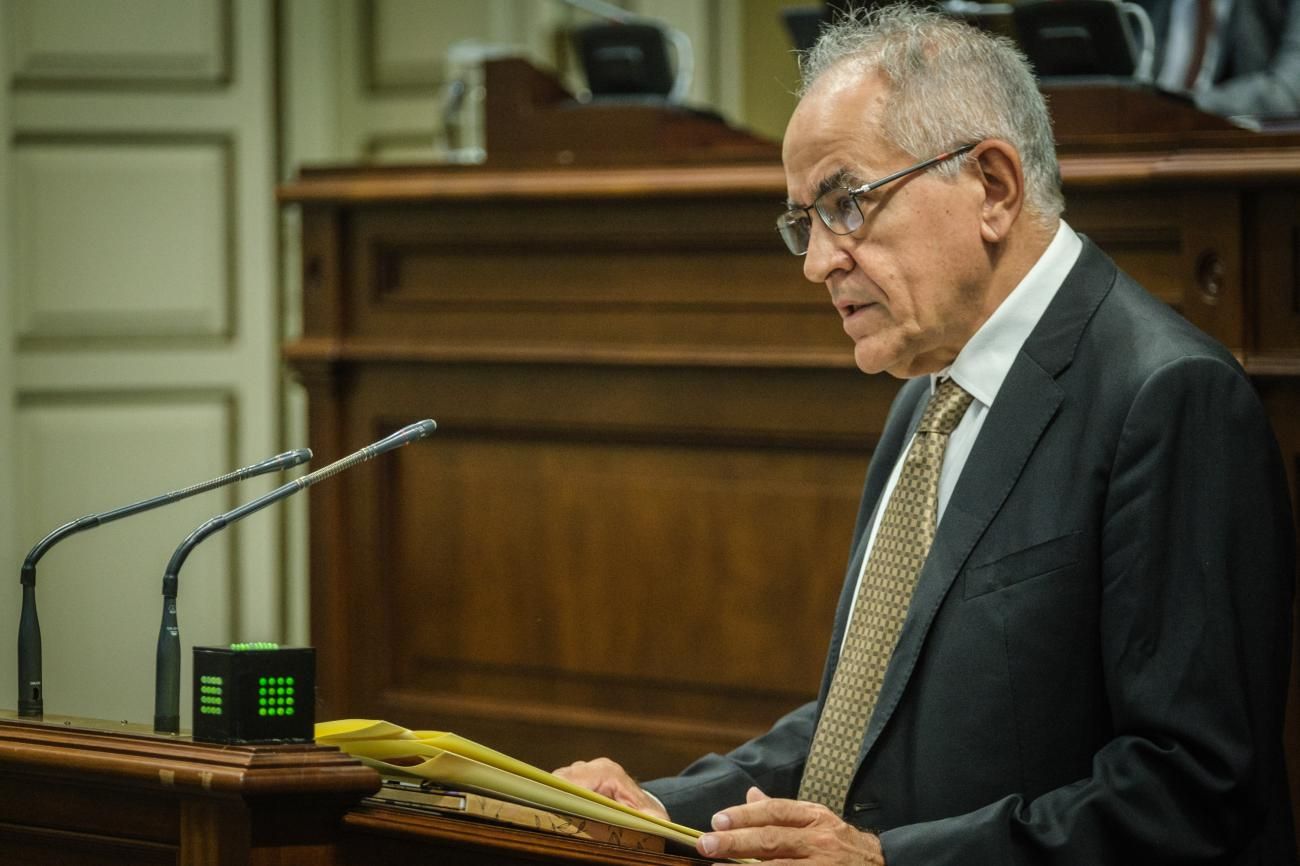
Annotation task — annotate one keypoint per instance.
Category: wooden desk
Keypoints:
(86, 793)
(79, 793)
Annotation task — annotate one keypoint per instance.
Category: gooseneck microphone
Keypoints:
(167, 675)
(31, 701)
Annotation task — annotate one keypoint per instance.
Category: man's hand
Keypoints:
(788, 831)
(606, 777)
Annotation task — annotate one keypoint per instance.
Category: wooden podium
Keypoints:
(73, 792)
(79, 793)
(646, 414)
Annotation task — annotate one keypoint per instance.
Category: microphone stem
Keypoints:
(167, 680)
(167, 677)
(30, 702)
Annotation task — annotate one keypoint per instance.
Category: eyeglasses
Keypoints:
(839, 207)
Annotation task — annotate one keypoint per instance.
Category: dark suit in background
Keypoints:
(1257, 67)
(1093, 665)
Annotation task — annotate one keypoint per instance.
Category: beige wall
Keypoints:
(147, 279)
(771, 73)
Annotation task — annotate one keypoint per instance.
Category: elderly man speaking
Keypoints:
(1064, 634)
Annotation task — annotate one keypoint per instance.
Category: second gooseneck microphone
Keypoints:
(167, 679)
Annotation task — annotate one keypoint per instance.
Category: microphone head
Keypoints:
(405, 436)
(295, 457)
(427, 426)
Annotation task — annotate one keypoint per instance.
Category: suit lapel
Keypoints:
(1022, 411)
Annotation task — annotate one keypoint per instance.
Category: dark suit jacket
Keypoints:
(1258, 68)
(1093, 667)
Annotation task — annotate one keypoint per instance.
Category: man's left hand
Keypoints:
(788, 831)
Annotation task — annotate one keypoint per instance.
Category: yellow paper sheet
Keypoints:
(457, 763)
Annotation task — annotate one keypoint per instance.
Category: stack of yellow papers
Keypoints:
(460, 764)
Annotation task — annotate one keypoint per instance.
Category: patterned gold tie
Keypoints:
(901, 546)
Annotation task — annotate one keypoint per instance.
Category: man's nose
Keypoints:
(827, 253)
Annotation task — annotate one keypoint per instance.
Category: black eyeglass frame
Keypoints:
(786, 222)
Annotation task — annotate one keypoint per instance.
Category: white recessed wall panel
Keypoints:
(408, 40)
(120, 41)
(99, 591)
(122, 239)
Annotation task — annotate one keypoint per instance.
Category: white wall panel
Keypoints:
(10, 594)
(99, 592)
(122, 239)
(138, 141)
(406, 41)
(120, 42)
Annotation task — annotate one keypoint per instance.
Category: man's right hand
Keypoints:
(606, 777)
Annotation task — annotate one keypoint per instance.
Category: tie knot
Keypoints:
(944, 411)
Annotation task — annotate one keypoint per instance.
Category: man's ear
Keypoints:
(998, 166)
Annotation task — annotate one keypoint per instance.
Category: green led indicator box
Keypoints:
(254, 693)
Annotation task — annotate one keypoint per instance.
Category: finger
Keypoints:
(760, 843)
(753, 795)
(589, 774)
(763, 811)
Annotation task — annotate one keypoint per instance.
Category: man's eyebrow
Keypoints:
(842, 178)
(845, 178)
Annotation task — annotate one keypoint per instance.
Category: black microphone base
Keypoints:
(166, 724)
(28, 710)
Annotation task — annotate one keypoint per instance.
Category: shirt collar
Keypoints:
(983, 363)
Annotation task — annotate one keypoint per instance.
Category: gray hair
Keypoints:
(950, 84)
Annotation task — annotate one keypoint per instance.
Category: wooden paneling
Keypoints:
(561, 552)
(1275, 263)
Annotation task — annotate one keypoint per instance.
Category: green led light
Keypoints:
(289, 680)
(289, 712)
(289, 701)
(245, 646)
(261, 711)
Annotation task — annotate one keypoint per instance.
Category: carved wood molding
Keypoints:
(309, 353)
(129, 755)
(391, 821)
